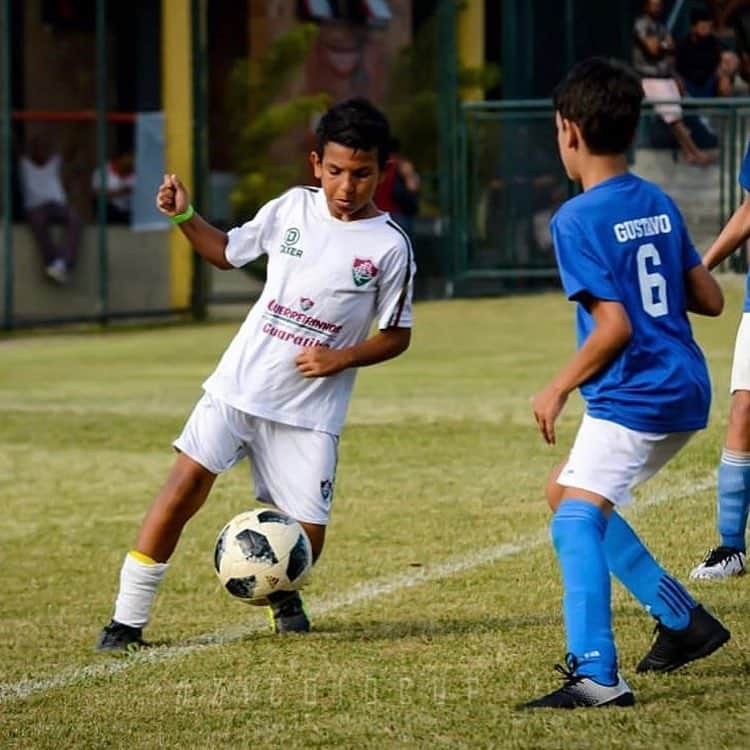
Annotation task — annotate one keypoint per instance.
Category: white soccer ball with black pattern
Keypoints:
(260, 552)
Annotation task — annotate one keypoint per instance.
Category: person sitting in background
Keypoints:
(699, 61)
(653, 48)
(46, 203)
(398, 191)
(729, 66)
(733, 16)
(119, 183)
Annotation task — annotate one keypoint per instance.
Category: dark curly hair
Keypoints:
(358, 124)
(603, 97)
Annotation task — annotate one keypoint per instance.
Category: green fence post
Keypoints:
(101, 156)
(6, 167)
(200, 160)
(447, 146)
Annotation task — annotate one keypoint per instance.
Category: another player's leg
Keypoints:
(733, 501)
(685, 631)
(185, 491)
(591, 678)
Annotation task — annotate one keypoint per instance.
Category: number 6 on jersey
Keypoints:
(653, 285)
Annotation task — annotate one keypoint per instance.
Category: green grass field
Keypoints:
(436, 604)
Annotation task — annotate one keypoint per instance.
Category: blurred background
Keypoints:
(101, 97)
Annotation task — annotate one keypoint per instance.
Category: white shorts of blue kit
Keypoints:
(293, 468)
(740, 380)
(610, 460)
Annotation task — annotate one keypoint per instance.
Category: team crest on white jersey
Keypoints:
(363, 270)
(326, 488)
(306, 303)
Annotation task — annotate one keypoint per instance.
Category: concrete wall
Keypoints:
(696, 190)
(138, 278)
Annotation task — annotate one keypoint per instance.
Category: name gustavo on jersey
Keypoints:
(646, 226)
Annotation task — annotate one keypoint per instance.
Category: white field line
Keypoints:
(360, 593)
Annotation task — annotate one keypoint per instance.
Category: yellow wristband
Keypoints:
(179, 218)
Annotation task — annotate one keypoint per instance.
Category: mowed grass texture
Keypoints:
(436, 604)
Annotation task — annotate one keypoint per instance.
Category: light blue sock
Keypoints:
(734, 498)
(578, 531)
(635, 567)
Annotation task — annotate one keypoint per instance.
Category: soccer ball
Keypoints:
(260, 552)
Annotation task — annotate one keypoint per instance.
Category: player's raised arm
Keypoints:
(173, 200)
(735, 232)
(704, 295)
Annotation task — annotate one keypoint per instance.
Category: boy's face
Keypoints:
(567, 145)
(349, 178)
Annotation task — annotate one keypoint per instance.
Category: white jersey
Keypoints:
(327, 281)
(42, 184)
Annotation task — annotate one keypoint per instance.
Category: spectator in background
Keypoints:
(45, 204)
(735, 15)
(699, 59)
(730, 67)
(653, 51)
(398, 191)
(119, 184)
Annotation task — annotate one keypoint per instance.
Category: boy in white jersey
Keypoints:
(280, 392)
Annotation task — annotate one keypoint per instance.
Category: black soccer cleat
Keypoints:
(287, 613)
(117, 638)
(583, 692)
(674, 648)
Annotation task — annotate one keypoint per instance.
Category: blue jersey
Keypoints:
(624, 240)
(745, 184)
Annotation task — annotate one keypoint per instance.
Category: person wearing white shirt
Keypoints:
(280, 392)
(46, 204)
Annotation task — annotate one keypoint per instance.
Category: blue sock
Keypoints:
(663, 597)
(734, 498)
(578, 531)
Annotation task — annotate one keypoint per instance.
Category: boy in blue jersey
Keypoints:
(626, 259)
(728, 558)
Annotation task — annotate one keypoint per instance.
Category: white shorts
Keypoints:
(660, 89)
(740, 380)
(293, 468)
(611, 460)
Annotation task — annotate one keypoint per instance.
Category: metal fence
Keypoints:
(511, 181)
(501, 186)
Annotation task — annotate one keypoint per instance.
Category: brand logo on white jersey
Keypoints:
(291, 237)
(306, 303)
(363, 270)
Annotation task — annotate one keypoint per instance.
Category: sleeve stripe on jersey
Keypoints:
(311, 188)
(394, 319)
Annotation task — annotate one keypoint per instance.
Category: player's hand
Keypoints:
(319, 361)
(547, 405)
(172, 198)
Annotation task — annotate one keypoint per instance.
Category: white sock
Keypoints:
(138, 583)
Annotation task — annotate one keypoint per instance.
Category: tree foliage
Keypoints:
(260, 120)
(412, 103)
